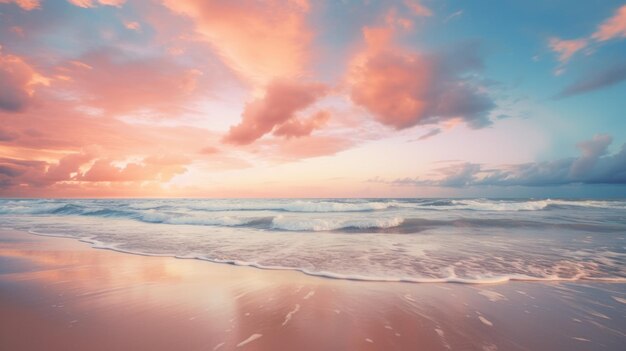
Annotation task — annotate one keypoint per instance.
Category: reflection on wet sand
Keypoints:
(61, 294)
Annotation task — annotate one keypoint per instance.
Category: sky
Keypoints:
(302, 98)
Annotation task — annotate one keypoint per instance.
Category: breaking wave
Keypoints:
(470, 241)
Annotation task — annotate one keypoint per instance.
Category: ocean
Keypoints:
(469, 241)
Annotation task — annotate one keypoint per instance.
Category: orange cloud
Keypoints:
(566, 48)
(24, 4)
(149, 169)
(262, 41)
(614, 27)
(57, 149)
(18, 81)
(393, 87)
(278, 107)
(16, 172)
(39, 178)
(118, 84)
(404, 88)
(298, 128)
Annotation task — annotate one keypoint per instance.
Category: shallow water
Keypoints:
(416, 240)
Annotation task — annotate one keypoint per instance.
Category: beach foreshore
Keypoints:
(61, 294)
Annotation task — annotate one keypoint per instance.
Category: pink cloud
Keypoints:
(132, 25)
(614, 27)
(403, 88)
(94, 3)
(18, 82)
(298, 128)
(151, 169)
(18, 172)
(566, 48)
(262, 41)
(110, 81)
(24, 4)
(311, 146)
(41, 177)
(393, 87)
(52, 128)
(278, 107)
(417, 8)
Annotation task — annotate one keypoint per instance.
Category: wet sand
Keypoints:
(61, 294)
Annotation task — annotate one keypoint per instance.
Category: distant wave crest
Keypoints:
(299, 224)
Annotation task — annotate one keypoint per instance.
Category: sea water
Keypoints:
(412, 240)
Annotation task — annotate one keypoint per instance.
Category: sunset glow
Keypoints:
(199, 98)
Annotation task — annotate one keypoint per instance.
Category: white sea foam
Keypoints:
(619, 299)
(229, 221)
(492, 295)
(249, 339)
(530, 205)
(291, 206)
(489, 205)
(485, 321)
(290, 314)
(320, 224)
(450, 278)
(395, 241)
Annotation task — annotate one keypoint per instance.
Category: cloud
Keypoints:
(112, 80)
(614, 27)
(453, 15)
(209, 150)
(24, 4)
(404, 88)
(18, 81)
(7, 135)
(429, 134)
(94, 3)
(591, 151)
(262, 41)
(417, 8)
(40, 174)
(458, 175)
(278, 108)
(595, 80)
(593, 166)
(132, 25)
(150, 169)
(298, 128)
(17, 172)
(310, 146)
(14, 171)
(566, 48)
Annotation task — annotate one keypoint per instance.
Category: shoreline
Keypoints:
(59, 293)
(94, 244)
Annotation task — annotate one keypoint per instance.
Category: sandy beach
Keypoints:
(60, 294)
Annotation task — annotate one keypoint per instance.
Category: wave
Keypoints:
(451, 277)
(531, 205)
(131, 207)
(294, 206)
(227, 221)
(299, 224)
(489, 205)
